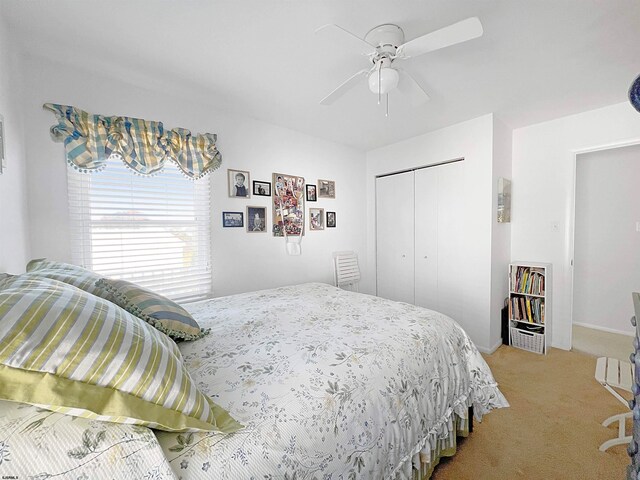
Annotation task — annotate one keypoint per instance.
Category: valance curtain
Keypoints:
(143, 145)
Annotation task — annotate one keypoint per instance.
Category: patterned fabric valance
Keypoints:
(143, 145)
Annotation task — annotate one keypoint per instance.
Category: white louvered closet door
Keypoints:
(395, 237)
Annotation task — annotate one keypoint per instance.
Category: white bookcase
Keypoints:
(530, 306)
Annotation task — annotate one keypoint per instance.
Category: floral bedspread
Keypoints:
(38, 444)
(330, 384)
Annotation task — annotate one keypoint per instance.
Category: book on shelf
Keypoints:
(528, 280)
(527, 309)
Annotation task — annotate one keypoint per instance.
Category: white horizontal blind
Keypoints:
(153, 231)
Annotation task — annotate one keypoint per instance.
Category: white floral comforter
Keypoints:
(330, 385)
(37, 444)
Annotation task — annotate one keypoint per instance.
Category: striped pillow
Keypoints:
(65, 272)
(167, 316)
(67, 350)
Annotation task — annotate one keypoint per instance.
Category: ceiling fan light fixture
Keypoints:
(388, 80)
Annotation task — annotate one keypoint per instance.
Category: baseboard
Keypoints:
(489, 351)
(605, 329)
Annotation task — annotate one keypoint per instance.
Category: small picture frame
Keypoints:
(326, 189)
(239, 183)
(504, 200)
(256, 219)
(316, 219)
(232, 219)
(312, 193)
(331, 219)
(261, 189)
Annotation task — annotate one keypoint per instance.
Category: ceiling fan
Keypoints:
(385, 48)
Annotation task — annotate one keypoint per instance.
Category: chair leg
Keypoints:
(621, 417)
(622, 438)
(615, 441)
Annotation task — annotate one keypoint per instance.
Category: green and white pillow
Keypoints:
(164, 314)
(65, 272)
(67, 350)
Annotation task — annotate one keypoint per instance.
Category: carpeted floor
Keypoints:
(552, 429)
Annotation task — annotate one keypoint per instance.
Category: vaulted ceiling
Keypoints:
(537, 59)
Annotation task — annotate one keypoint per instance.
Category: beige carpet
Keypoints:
(601, 344)
(552, 429)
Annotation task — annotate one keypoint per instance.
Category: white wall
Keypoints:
(500, 232)
(241, 261)
(543, 192)
(607, 238)
(473, 141)
(14, 233)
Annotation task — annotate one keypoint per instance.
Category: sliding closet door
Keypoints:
(395, 237)
(426, 237)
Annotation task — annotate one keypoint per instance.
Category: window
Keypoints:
(154, 231)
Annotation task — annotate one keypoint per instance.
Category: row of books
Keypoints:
(528, 280)
(527, 309)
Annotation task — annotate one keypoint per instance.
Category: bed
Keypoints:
(329, 384)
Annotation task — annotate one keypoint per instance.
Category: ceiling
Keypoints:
(537, 59)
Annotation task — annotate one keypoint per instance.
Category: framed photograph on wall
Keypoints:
(331, 219)
(316, 219)
(262, 189)
(311, 193)
(232, 219)
(238, 183)
(326, 189)
(256, 219)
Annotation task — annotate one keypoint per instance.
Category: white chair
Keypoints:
(611, 372)
(346, 271)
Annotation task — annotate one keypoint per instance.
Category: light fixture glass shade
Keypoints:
(388, 80)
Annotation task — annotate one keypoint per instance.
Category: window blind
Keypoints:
(153, 231)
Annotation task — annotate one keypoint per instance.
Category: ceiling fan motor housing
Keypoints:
(386, 38)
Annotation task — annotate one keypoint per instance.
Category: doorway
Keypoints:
(606, 250)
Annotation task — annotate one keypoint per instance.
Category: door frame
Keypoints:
(570, 250)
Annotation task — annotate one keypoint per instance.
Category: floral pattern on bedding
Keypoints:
(330, 384)
(38, 444)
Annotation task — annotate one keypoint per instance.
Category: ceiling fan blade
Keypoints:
(408, 84)
(355, 43)
(343, 87)
(457, 33)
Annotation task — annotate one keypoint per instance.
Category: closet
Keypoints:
(419, 237)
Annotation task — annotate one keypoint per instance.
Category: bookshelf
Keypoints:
(530, 306)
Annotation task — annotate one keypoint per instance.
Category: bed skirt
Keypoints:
(424, 463)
